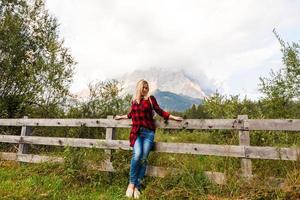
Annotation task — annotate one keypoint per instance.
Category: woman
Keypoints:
(142, 133)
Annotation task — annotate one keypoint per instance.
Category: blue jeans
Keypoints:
(141, 149)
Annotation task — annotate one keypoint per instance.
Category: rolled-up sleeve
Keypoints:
(158, 110)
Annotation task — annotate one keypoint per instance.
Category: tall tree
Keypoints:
(282, 88)
(35, 68)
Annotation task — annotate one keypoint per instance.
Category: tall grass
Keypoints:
(78, 178)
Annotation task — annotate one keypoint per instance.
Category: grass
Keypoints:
(45, 181)
(53, 181)
(75, 180)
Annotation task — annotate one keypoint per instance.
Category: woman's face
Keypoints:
(145, 90)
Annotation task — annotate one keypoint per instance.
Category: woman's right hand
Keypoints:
(176, 118)
(118, 117)
(179, 119)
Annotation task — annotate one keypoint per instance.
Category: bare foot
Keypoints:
(130, 190)
(136, 194)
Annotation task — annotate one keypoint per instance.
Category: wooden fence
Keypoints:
(242, 124)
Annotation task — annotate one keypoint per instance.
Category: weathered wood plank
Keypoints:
(72, 142)
(66, 122)
(10, 139)
(254, 124)
(272, 153)
(8, 156)
(25, 131)
(217, 177)
(185, 148)
(30, 158)
(110, 134)
(244, 140)
(200, 149)
(274, 124)
(111, 123)
(201, 124)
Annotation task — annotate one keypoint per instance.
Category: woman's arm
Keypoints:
(176, 118)
(118, 117)
(157, 109)
(161, 112)
(128, 116)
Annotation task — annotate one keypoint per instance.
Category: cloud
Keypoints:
(213, 39)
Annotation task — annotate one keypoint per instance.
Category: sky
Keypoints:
(229, 42)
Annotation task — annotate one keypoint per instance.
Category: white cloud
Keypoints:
(218, 38)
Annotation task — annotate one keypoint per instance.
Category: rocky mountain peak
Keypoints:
(175, 81)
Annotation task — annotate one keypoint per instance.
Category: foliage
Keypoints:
(73, 161)
(282, 88)
(104, 99)
(196, 111)
(35, 72)
(35, 67)
(186, 184)
(221, 106)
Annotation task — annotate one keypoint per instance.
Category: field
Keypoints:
(76, 179)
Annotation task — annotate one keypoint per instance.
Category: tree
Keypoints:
(104, 99)
(196, 112)
(36, 69)
(221, 106)
(282, 88)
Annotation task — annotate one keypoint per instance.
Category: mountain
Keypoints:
(174, 90)
(174, 102)
(165, 80)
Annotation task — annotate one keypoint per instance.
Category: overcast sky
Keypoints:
(228, 41)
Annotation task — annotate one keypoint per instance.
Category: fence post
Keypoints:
(244, 140)
(109, 135)
(25, 131)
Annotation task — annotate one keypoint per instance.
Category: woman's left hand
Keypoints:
(176, 118)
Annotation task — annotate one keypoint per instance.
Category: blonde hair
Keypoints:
(138, 91)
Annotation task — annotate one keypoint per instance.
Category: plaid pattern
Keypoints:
(142, 116)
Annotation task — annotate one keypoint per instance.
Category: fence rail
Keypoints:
(242, 124)
(231, 124)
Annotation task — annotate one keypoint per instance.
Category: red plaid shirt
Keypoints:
(142, 116)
